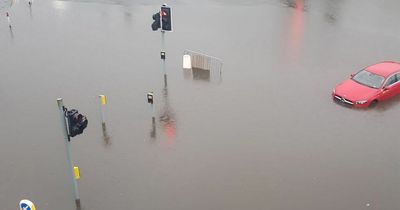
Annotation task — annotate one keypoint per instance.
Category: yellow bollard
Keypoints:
(77, 173)
(103, 100)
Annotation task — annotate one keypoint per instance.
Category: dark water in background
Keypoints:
(267, 137)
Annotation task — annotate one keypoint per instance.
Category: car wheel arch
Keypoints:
(373, 103)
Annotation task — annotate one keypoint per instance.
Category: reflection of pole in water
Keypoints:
(106, 137)
(153, 131)
(332, 10)
(30, 9)
(103, 102)
(165, 81)
(8, 19)
(295, 29)
(167, 118)
(11, 33)
(165, 90)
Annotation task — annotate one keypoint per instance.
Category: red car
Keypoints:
(369, 86)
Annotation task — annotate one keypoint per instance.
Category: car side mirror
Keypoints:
(352, 75)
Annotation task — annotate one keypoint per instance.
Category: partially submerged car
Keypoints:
(369, 86)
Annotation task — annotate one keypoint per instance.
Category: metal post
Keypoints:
(68, 152)
(150, 100)
(163, 50)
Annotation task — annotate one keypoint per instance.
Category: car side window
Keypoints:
(398, 76)
(391, 80)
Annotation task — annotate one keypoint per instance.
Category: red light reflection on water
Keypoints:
(170, 132)
(295, 31)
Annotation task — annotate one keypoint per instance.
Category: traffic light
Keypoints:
(156, 24)
(166, 19)
(76, 122)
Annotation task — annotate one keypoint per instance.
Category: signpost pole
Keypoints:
(68, 153)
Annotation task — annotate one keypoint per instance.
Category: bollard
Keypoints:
(150, 100)
(103, 102)
(77, 173)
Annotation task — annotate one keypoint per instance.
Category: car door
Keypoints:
(390, 88)
(396, 85)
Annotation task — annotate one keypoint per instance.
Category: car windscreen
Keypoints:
(368, 79)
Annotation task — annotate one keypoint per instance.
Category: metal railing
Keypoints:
(206, 66)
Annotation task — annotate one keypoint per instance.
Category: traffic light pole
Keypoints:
(163, 50)
(68, 152)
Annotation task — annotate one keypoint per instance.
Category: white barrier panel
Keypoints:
(187, 62)
(202, 66)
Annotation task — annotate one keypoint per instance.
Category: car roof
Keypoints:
(385, 68)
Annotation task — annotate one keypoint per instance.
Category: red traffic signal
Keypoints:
(166, 18)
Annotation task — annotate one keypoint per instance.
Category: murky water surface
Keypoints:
(267, 137)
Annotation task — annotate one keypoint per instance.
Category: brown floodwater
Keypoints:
(266, 136)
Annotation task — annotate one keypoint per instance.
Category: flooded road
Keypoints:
(268, 136)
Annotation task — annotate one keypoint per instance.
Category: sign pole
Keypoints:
(150, 100)
(68, 153)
